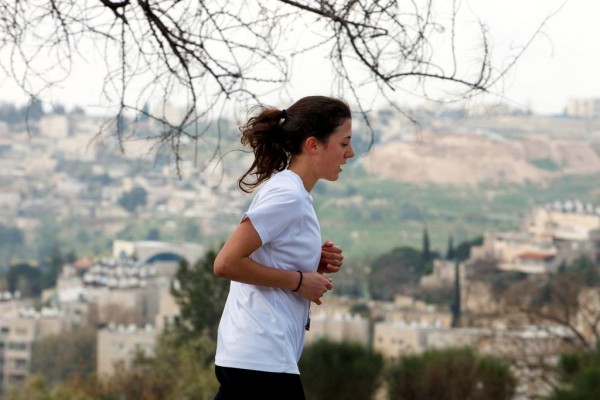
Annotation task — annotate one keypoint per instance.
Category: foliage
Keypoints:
(394, 272)
(579, 375)
(200, 296)
(133, 199)
(153, 234)
(10, 236)
(452, 374)
(53, 264)
(24, 278)
(30, 280)
(450, 250)
(14, 115)
(583, 271)
(35, 388)
(427, 255)
(462, 252)
(60, 357)
(546, 164)
(176, 372)
(341, 371)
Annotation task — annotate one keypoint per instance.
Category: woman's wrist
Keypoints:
(299, 281)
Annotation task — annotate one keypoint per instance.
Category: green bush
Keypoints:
(450, 374)
(340, 371)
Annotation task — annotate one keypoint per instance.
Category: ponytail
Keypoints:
(263, 133)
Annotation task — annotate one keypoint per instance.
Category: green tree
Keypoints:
(394, 272)
(59, 357)
(450, 374)
(584, 271)
(25, 278)
(34, 111)
(53, 266)
(426, 250)
(200, 296)
(10, 236)
(180, 370)
(133, 199)
(450, 250)
(341, 371)
(12, 244)
(579, 375)
(456, 306)
(153, 234)
(463, 250)
(35, 388)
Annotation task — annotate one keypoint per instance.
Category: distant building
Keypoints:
(442, 276)
(18, 333)
(551, 236)
(118, 345)
(584, 107)
(395, 339)
(151, 252)
(54, 126)
(339, 328)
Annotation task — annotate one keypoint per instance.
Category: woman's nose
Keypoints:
(350, 153)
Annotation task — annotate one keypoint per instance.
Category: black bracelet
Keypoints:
(299, 283)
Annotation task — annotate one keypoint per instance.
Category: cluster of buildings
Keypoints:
(130, 315)
(62, 167)
(73, 177)
(551, 236)
(128, 296)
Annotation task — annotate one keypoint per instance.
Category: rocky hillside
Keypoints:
(462, 153)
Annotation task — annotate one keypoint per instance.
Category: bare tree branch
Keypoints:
(203, 55)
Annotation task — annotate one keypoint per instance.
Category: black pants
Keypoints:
(248, 384)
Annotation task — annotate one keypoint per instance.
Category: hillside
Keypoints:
(458, 178)
(462, 153)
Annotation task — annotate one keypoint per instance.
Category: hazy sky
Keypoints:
(562, 62)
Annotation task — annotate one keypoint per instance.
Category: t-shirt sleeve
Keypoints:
(273, 212)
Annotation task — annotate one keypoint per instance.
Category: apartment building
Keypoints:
(583, 107)
(18, 334)
(339, 328)
(119, 345)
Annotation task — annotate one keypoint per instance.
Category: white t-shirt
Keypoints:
(263, 328)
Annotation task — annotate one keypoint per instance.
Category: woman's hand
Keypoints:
(331, 258)
(314, 285)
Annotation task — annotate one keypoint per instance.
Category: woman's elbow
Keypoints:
(220, 267)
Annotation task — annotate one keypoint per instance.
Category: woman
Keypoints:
(274, 257)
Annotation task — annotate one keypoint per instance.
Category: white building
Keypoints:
(338, 328)
(584, 107)
(19, 330)
(118, 345)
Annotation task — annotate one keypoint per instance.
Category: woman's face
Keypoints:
(336, 152)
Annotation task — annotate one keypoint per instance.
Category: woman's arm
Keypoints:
(233, 262)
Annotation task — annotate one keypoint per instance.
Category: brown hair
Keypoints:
(277, 135)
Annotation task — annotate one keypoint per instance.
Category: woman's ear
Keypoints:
(311, 145)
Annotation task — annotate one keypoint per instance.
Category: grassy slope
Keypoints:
(386, 214)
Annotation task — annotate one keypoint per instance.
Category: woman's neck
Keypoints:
(301, 167)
